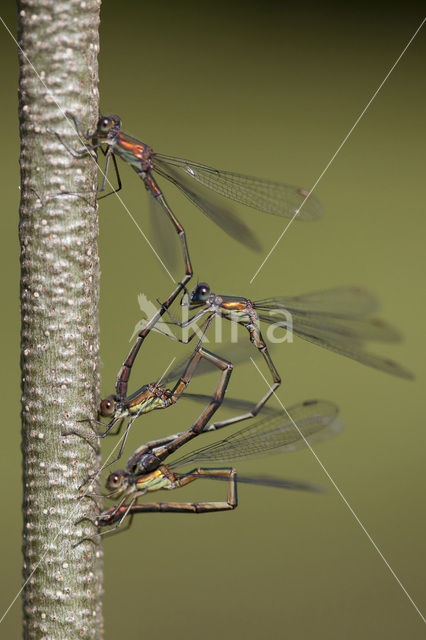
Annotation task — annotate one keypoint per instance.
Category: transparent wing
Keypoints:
(335, 320)
(220, 213)
(266, 481)
(231, 403)
(315, 420)
(340, 302)
(264, 195)
(164, 237)
(344, 345)
(354, 330)
(237, 353)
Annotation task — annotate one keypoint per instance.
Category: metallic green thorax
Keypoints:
(132, 151)
(145, 400)
(154, 481)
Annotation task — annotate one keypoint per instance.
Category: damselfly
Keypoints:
(337, 319)
(235, 309)
(156, 396)
(304, 424)
(200, 184)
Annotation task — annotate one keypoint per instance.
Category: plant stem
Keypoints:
(59, 298)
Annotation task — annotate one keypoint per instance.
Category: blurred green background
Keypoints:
(270, 92)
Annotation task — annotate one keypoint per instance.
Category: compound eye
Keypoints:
(104, 124)
(203, 291)
(107, 407)
(114, 480)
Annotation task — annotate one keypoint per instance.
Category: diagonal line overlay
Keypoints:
(72, 518)
(88, 150)
(345, 139)
(353, 513)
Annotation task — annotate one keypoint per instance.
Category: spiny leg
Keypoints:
(244, 416)
(195, 317)
(91, 421)
(109, 154)
(191, 368)
(256, 339)
(77, 153)
(219, 394)
(118, 528)
(123, 443)
(110, 517)
(201, 472)
(88, 147)
(126, 368)
(226, 370)
(160, 450)
(88, 437)
(124, 373)
(91, 476)
(195, 332)
(111, 424)
(183, 324)
(122, 502)
(179, 507)
(216, 401)
(78, 127)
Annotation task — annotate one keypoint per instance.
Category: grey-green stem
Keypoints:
(59, 300)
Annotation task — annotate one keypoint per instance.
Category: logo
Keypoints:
(279, 327)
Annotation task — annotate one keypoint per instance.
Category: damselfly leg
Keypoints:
(139, 158)
(152, 397)
(235, 309)
(304, 425)
(207, 188)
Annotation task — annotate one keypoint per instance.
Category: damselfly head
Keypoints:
(106, 124)
(116, 481)
(201, 293)
(107, 406)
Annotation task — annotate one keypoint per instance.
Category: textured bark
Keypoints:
(59, 298)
